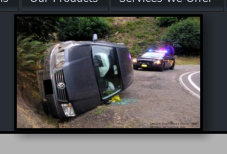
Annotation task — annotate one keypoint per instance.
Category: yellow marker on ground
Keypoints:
(116, 98)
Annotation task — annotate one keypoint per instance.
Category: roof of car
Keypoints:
(79, 43)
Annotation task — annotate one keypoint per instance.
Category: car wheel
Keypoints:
(173, 65)
(135, 67)
(162, 67)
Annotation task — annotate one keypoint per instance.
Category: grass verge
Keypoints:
(99, 110)
(182, 60)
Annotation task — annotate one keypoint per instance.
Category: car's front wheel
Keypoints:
(173, 65)
(135, 67)
(162, 67)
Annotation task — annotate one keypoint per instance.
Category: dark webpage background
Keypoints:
(214, 70)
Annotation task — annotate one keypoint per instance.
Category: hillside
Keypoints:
(137, 33)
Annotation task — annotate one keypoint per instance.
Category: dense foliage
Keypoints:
(67, 28)
(165, 21)
(81, 28)
(40, 27)
(29, 56)
(185, 36)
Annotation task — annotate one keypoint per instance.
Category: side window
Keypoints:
(102, 63)
(106, 70)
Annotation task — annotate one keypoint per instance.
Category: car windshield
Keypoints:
(153, 55)
(107, 70)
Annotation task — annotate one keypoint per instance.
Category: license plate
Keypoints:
(144, 65)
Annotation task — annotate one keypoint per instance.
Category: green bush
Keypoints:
(41, 28)
(165, 21)
(81, 28)
(135, 50)
(185, 36)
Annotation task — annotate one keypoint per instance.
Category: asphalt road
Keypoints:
(154, 100)
(191, 82)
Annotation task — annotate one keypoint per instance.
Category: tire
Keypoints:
(172, 67)
(135, 67)
(162, 68)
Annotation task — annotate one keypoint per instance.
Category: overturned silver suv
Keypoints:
(78, 76)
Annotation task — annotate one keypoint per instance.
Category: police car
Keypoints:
(159, 58)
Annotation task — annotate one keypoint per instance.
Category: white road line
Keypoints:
(190, 80)
(186, 87)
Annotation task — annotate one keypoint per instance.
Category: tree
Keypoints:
(185, 36)
(41, 28)
(30, 53)
(81, 28)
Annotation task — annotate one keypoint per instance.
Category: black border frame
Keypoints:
(109, 130)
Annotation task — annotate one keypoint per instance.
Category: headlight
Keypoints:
(60, 59)
(157, 62)
(134, 60)
(68, 110)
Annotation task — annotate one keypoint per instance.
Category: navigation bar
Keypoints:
(114, 5)
(167, 5)
(9, 5)
(65, 5)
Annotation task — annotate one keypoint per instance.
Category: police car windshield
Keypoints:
(153, 55)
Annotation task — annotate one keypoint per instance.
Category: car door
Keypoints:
(81, 84)
(107, 70)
